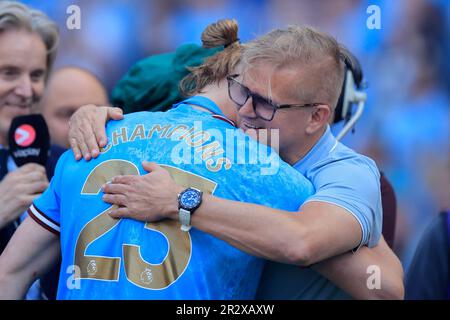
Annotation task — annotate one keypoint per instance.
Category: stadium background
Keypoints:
(405, 126)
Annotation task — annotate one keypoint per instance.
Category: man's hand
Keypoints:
(87, 129)
(18, 190)
(151, 197)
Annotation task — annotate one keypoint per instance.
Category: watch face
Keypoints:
(190, 199)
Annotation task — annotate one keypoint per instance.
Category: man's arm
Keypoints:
(429, 272)
(30, 253)
(325, 229)
(321, 231)
(269, 233)
(330, 230)
(305, 238)
(351, 272)
(318, 232)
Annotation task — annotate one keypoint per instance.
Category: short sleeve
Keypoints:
(354, 185)
(45, 210)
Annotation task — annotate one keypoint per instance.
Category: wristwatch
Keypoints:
(188, 201)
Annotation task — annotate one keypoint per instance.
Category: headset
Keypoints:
(352, 93)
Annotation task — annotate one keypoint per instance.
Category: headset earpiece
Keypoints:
(350, 93)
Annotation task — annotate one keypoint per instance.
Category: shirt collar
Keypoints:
(209, 105)
(202, 102)
(326, 144)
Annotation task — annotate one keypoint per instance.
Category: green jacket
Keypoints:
(152, 84)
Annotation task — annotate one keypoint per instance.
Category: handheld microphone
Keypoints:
(29, 140)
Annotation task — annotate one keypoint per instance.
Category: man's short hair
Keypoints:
(303, 48)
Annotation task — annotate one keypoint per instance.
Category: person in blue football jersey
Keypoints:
(301, 69)
(105, 258)
(176, 274)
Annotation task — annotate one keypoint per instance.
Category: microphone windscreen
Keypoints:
(29, 140)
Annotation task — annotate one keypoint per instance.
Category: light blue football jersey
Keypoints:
(104, 258)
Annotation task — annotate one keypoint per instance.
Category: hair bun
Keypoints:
(221, 33)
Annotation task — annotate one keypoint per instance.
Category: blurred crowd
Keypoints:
(405, 125)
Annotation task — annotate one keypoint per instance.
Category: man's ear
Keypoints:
(320, 116)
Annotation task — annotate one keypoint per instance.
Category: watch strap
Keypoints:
(185, 219)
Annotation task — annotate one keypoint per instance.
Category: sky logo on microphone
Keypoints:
(25, 135)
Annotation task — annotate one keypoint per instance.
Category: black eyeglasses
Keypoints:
(262, 107)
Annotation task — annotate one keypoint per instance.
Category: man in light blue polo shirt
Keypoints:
(327, 166)
(343, 177)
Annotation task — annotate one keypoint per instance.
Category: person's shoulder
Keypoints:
(177, 115)
(66, 158)
(54, 155)
(131, 118)
(56, 151)
(346, 160)
(434, 240)
(348, 155)
(431, 258)
(134, 120)
(436, 231)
